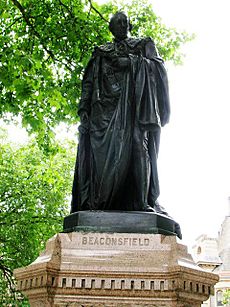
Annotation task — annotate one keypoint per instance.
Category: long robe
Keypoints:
(117, 101)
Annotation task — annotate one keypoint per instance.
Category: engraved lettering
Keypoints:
(135, 241)
(146, 242)
(113, 241)
(120, 242)
(107, 241)
(140, 242)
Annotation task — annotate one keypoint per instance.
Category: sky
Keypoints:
(194, 158)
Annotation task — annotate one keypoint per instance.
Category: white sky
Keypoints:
(194, 155)
(194, 160)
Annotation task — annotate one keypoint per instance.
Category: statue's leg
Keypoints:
(153, 149)
(154, 189)
(81, 182)
(141, 169)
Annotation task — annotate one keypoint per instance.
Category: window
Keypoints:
(198, 250)
(219, 298)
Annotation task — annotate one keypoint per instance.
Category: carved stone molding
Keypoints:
(120, 269)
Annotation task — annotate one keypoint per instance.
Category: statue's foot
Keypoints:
(148, 208)
(159, 209)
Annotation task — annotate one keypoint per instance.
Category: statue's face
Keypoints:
(120, 27)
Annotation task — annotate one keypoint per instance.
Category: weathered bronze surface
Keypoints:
(121, 222)
(123, 106)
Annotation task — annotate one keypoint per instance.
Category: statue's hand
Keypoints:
(121, 62)
(84, 127)
(84, 118)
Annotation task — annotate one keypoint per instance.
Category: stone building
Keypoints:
(213, 255)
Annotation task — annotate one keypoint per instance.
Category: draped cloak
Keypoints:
(116, 101)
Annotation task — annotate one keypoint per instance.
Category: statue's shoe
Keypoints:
(148, 208)
(159, 209)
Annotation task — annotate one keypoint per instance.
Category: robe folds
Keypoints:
(116, 102)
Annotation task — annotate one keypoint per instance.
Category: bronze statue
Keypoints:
(123, 106)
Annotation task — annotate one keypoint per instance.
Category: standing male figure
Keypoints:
(123, 106)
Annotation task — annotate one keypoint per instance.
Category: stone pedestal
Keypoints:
(120, 269)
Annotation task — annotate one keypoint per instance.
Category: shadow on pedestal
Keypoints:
(121, 222)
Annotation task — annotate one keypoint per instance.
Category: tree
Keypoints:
(226, 300)
(34, 190)
(44, 46)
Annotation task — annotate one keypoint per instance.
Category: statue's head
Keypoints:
(120, 25)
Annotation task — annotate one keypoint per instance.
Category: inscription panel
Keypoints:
(116, 241)
(113, 241)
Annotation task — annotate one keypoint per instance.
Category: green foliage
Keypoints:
(34, 190)
(44, 46)
(226, 300)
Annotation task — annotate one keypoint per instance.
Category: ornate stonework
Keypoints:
(101, 269)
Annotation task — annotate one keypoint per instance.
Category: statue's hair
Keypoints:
(111, 22)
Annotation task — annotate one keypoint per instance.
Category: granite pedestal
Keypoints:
(114, 269)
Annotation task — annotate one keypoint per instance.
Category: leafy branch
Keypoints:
(68, 10)
(27, 20)
(7, 273)
(93, 8)
(15, 21)
(37, 34)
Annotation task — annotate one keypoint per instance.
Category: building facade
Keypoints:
(213, 255)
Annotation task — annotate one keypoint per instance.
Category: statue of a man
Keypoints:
(123, 106)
